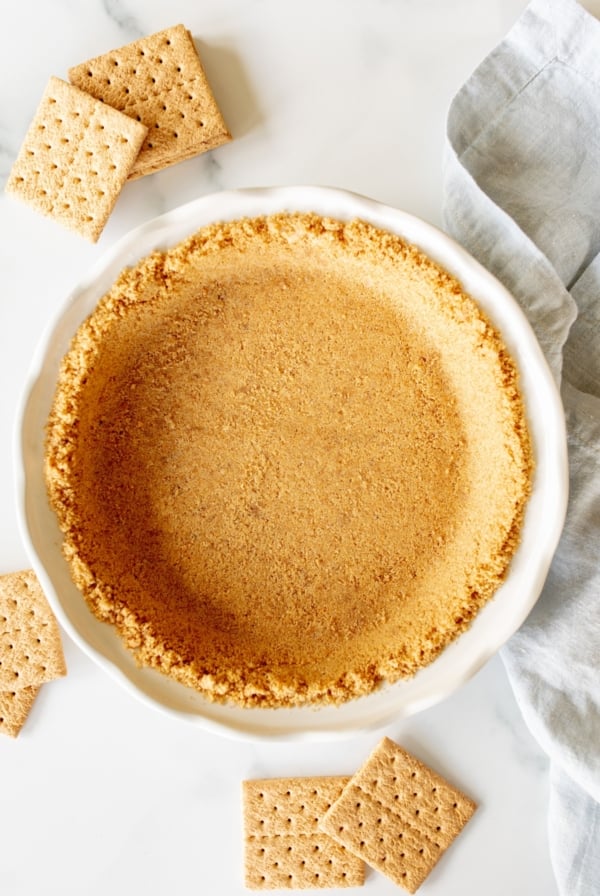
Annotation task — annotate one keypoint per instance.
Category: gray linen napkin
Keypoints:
(522, 194)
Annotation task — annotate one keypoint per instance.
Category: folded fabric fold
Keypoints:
(522, 194)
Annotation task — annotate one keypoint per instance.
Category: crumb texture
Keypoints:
(289, 458)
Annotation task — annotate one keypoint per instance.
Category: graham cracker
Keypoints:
(14, 709)
(398, 815)
(284, 848)
(159, 81)
(75, 158)
(30, 643)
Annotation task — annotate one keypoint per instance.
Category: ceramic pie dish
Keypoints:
(492, 625)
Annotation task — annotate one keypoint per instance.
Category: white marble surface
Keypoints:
(100, 794)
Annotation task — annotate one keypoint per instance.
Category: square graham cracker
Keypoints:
(75, 158)
(30, 644)
(14, 709)
(398, 815)
(283, 846)
(159, 81)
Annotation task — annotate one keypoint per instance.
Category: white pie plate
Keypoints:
(495, 623)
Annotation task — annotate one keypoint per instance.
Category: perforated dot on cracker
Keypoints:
(284, 848)
(75, 158)
(398, 815)
(30, 643)
(158, 80)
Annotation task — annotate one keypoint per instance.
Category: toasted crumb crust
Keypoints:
(290, 460)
